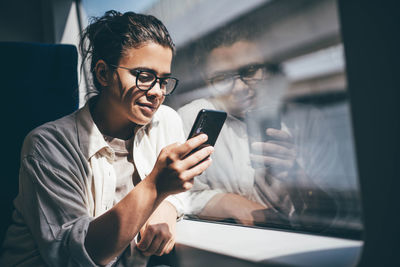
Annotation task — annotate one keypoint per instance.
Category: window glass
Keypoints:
(284, 157)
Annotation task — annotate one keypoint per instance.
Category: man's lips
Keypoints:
(148, 105)
(244, 100)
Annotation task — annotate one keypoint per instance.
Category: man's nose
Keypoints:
(240, 86)
(156, 90)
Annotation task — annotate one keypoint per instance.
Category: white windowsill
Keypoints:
(268, 246)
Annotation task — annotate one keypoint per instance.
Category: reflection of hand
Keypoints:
(232, 206)
(277, 154)
(174, 170)
(158, 233)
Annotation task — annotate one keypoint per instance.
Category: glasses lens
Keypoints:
(144, 80)
(252, 73)
(168, 85)
(222, 82)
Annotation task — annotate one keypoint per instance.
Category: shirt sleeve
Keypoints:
(53, 207)
(201, 192)
(178, 202)
(174, 132)
(199, 195)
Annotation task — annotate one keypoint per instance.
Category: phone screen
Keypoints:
(257, 122)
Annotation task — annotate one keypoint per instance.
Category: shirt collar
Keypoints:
(91, 140)
(219, 106)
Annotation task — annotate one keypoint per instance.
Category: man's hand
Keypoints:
(173, 172)
(158, 233)
(176, 166)
(277, 155)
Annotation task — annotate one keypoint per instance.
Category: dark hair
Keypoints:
(225, 37)
(109, 36)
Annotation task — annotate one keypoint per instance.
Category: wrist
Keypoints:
(150, 183)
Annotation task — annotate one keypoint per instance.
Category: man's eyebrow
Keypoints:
(225, 72)
(233, 71)
(167, 74)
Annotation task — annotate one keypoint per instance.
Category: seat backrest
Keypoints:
(39, 83)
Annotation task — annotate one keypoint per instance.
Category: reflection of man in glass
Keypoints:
(233, 187)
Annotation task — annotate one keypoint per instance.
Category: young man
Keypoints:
(95, 181)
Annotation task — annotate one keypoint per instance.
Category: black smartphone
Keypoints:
(257, 122)
(209, 122)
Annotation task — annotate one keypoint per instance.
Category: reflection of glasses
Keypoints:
(251, 75)
(146, 79)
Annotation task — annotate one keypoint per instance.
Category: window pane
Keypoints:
(275, 65)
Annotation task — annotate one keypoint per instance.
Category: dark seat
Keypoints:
(39, 83)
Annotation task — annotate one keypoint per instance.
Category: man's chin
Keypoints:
(240, 114)
(240, 109)
(144, 121)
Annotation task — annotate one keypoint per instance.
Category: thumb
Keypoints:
(141, 233)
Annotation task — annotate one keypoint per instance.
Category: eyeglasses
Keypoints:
(251, 75)
(146, 79)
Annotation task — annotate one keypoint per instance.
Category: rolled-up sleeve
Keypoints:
(52, 204)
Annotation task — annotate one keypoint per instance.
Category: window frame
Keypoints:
(372, 30)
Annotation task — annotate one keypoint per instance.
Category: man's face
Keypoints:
(233, 72)
(131, 103)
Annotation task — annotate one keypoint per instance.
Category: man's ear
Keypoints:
(101, 71)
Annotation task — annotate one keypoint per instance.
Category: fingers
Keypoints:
(156, 247)
(191, 144)
(178, 151)
(189, 174)
(279, 134)
(176, 166)
(159, 247)
(169, 246)
(278, 155)
(194, 164)
(156, 240)
(197, 157)
(146, 240)
(166, 247)
(273, 161)
(275, 148)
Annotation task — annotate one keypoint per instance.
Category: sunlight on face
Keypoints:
(134, 105)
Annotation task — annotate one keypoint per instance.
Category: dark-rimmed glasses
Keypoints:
(146, 79)
(251, 75)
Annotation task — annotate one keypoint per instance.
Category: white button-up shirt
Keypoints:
(67, 179)
(316, 153)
